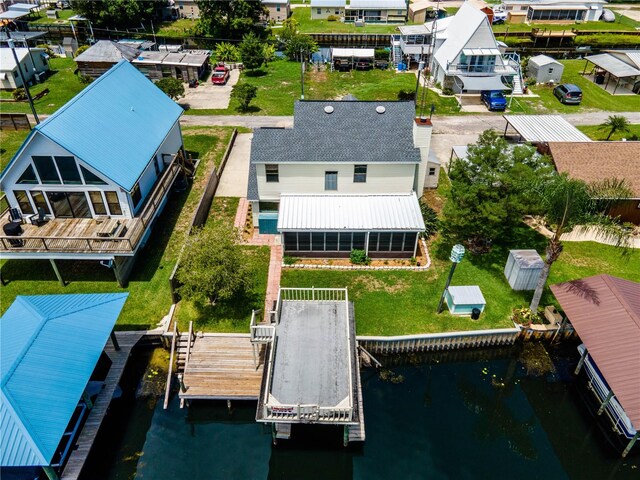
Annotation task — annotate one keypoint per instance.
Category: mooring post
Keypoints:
(605, 403)
(57, 272)
(183, 389)
(630, 445)
(274, 434)
(581, 362)
(229, 406)
(345, 440)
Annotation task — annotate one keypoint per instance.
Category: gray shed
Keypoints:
(523, 269)
(545, 69)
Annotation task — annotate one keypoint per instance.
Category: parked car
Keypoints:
(494, 100)
(568, 93)
(220, 75)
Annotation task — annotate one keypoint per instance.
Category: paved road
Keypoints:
(454, 124)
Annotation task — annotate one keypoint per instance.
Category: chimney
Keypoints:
(422, 129)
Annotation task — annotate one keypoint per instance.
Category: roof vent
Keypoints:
(380, 109)
(328, 109)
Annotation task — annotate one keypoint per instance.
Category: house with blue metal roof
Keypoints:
(347, 176)
(51, 345)
(88, 181)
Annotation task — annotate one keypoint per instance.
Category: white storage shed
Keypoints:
(545, 69)
(462, 300)
(523, 269)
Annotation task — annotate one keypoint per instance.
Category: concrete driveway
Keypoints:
(235, 176)
(210, 96)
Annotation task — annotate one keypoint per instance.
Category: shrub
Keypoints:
(19, 94)
(47, 49)
(406, 95)
(526, 317)
(85, 79)
(359, 257)
(529, 82)
(381, 54)
(413, 261)
(289, 260)
(431, 221)
(81, 49)
(332, 18)
(439, 86)
(244, 93)
(173, 87)
(447, 91)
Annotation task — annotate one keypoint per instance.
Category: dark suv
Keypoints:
(568, 93)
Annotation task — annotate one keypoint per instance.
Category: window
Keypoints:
(317, 241)
(68, 170)
(23, 201)
(113, 203)
(39, 201)
(384, 242)
(91, 178)
(397, 241)
(432, 171)
(345, 241)
(269, 206)
(360, 174)
(331, 241)
(156, 167)
(373, 241)
(97, 202)
(290, 241)
(278, 8)
(272, 173)
(409, 242)
(136, 196)
(337, 12)
(331, 180)
(46, 170)
(358, 240)
(319, 11)
(304, 241)
(28, 176)
(550, 71)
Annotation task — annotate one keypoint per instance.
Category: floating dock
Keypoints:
(77, 459)
(312, 371)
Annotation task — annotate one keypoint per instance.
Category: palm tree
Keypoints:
(570, 203)
(615, 123)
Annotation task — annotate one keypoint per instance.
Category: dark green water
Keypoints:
(440, 419)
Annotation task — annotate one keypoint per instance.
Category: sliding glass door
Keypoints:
(69, 204)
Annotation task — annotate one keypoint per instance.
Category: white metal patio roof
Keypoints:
(350, 212)
(545, 128)
(482, 83)
(353, 52)
(613, 65)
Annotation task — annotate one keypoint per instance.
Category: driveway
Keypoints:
(210, 96)
(235, 176)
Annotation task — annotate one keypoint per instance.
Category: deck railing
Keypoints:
(309, 413)
(126, 242)
(313, 294)
(260, 332)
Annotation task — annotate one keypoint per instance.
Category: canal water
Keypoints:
(483, 415)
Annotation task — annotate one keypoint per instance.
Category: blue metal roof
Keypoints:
(115, 125)
(50, 346)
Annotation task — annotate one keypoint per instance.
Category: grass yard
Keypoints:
(233, 315)
(63, 18)
(149, 298)
(595, 132)
(63, 85)
(593, 98)
(176, 28)
(307, 25)
(10, 141)
(401, 303)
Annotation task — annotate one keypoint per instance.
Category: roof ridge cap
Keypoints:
(18, 416)
(608, 280)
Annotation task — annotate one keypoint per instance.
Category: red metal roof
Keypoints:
(605, 311)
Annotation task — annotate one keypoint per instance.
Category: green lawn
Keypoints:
(594, 97)
(63, 85)
(177, 28)
(10, 141)
(63, 17)
(149, 298)
(595, 132)
(400, 303)
(307, 25)
(233, 315)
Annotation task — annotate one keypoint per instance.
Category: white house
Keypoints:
(89, 181)
(552, 11)
(322, 9)
(346, 174)
(33, 62)
(376, 11)
(467, 57)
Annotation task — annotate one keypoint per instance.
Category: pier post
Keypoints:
(50, 473)
(274, 433)
(57, 272)
(183, 389)
(605, 403)
(229, 406)
(114, 340)
(630, 445)
(345, 439)
(581, 362)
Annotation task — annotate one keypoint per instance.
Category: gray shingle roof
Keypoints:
(353, 132)
(252, 187)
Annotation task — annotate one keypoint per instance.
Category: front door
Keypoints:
(69, 204)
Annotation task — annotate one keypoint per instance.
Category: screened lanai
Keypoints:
(385, 226)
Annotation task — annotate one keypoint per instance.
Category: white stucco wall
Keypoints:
(326, 12)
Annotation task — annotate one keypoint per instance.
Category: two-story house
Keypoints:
(347, 175)
(467, 57)
(88, 182)
(279, 10)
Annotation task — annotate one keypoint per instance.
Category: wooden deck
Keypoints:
(78, 457)
(222, 367)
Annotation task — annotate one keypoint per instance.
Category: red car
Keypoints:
(220, 75)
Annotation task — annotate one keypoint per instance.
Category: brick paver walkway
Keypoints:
(273, 282)
(241, 214)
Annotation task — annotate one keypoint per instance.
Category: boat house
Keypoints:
(51, 345)
(89, 181)
(605, 312)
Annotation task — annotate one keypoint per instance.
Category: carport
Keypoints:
(612, 67)
(543, 129)
(476, 84)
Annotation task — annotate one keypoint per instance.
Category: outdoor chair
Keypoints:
(15, 215)
(39, 218)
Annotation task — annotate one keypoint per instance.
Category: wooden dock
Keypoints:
(223, 367)
(77, 459)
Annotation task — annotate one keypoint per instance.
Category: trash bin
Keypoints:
(475, 314)
(599, 79)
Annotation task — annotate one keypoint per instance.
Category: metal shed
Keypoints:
(523, 269)
(545, 69)
(462, 300)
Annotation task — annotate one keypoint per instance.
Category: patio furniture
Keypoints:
(13, 229)
(39, 218)
(15, 215)
(108, 228)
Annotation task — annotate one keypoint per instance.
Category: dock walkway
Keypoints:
(223, 367)
(77, 459)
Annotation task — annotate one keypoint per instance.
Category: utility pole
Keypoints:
(12, 46)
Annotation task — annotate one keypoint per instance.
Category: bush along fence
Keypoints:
(202, 210)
